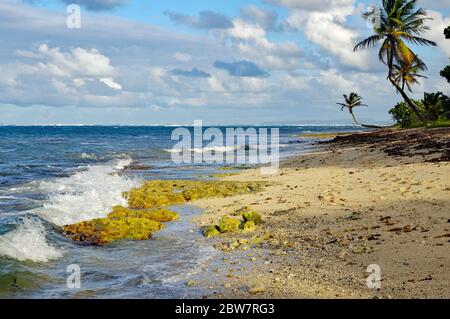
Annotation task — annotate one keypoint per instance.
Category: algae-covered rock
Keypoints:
(146, 211)
(164, 193)
(154, 194)
(228, 225)
(211, 232)
(103, 231)
(248, 226)
(161, 215)
(251, 216)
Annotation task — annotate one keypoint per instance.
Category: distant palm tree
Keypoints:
(432, 103)
(351, 101)
(400, 23)
(406, 74)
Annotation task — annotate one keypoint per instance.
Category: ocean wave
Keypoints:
(87, 194)
(28, 242)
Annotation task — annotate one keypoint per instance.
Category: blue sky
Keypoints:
(225, 62)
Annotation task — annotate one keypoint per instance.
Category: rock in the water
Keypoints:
(164, 193)
(161, 215)
(104, 230)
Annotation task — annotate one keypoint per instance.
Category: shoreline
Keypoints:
(362, 199)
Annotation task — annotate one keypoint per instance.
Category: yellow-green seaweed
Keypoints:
(161, 215)
(248, 226)
(223, 175)
(228, 225)
(146, 210)
(251, 216)
(164, 193)
(104, 230)
(211, 231)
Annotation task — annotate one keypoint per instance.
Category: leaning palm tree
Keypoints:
(400, 23)
(351, 101)
(405, 74)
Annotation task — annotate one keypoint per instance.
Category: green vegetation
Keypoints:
(400, 24)
(435, 106)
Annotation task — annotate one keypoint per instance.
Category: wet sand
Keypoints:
(368, 198)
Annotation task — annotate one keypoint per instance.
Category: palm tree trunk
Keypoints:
(411, 104)
(354, 118)
(360, 124)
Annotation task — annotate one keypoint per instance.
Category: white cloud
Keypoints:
(436, 33)
(324, 23)
(251, 42)
(182, 57)
(111, 83)
(77, 61)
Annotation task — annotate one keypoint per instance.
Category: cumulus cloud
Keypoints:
(241, 68)
(267, 19)
(436, 32)
(324, 22)
(76, 62)
(205, 20)
(120, 64)
(251, 41)
(194, 73)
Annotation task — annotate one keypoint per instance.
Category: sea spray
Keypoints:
(86, 195)
(28, 242)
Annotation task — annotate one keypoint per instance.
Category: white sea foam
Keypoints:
(217, 149)
(86, 195)
(28, 242)
(88, 156)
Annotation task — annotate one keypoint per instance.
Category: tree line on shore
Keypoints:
(400, 24)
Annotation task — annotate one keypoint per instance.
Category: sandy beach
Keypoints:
(369, 198)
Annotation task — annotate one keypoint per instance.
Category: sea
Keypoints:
(51, 176)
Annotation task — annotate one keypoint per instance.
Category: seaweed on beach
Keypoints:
(164, 193)
(147, 211)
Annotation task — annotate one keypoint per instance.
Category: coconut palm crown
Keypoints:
(400, 24)
(351, 101)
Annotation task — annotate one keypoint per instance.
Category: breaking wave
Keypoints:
(86, 195)
(28, 242)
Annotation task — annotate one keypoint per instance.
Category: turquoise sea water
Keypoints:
(51, 176)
